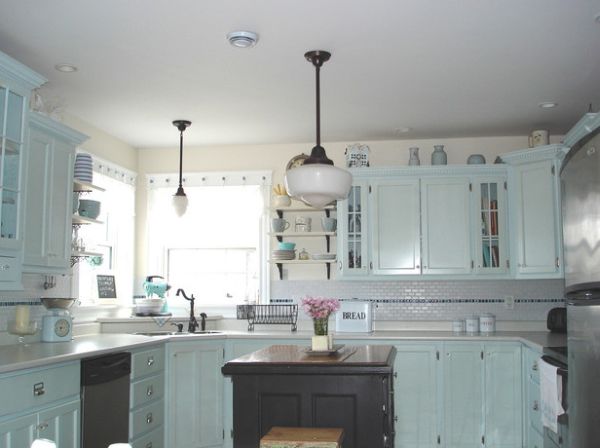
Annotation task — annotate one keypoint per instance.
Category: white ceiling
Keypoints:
(445, 68)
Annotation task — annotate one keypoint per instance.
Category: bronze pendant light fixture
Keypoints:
(317, 182)
(180, 200)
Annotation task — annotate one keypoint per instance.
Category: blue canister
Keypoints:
(439, 156)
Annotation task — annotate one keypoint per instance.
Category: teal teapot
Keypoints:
(157, 288)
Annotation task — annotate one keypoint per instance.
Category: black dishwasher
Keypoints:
(105, 400)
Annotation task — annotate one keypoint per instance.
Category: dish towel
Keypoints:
(551, 395)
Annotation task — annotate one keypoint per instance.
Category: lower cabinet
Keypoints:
(417, 396)
(47, 400)
(533, 428)
(147, 399)
(194, 390)
(482, 390)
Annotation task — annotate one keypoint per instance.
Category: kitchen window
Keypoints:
(216, 249)
(113, 239)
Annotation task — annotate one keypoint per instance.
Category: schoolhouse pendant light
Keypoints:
(317, 182)
(180, 200)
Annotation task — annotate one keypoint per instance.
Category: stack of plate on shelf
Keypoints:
(282, 254)
(83, 167)
(323, 256)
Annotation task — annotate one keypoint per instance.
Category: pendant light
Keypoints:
(317, 182)
(180, 200)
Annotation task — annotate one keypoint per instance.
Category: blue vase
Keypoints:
(439, 156)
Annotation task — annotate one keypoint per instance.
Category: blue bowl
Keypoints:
(89, 208)
(285, 245)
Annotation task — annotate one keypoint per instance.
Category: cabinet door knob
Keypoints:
(150, 360)
(149, 391)
(534, 366)
(536, 406)
(149, 418)
(149, 445)
(42, 426)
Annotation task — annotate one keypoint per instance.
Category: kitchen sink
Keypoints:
(175, 333)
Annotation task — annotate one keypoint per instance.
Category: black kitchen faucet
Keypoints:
(193, 325)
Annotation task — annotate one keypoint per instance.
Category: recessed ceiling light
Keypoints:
(403, 130)
(65, 68)
(242, 39)
(548, 105)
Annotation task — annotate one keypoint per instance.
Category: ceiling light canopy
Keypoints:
(548, 105)
(65, 68)
(242, 39)
(317, 182)
(180, 200)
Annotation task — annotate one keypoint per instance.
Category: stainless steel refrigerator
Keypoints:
(580, 181)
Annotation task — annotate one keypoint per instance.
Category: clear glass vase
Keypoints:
(320, 326)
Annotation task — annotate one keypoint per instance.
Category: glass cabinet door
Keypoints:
(12, 108)
(491, 245)
(352, 232)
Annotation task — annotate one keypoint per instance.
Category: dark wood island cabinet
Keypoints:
(282, 385)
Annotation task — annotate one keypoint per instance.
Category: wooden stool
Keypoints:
(280, 437)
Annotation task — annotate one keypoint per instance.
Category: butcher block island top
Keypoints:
(295, 359)
(286, 385)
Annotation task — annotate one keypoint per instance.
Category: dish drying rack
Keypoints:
(272, 315)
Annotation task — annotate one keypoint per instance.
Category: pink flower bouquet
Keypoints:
(319, 309)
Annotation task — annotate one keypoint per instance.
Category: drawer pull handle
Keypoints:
(149, 391)
(42, 426)
(149, 445)
(536, 406)
(534, 366)
(38, 389)
(150, 360)
(149, 418)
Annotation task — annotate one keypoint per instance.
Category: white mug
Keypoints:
(538, 138)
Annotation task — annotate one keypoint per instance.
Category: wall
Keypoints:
(396, 300)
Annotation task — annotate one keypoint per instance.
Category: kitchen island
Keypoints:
(286, 385)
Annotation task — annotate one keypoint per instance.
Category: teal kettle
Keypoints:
(156, 287)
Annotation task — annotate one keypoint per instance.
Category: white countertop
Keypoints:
(24, 356)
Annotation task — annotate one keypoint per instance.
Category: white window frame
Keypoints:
(263, 179)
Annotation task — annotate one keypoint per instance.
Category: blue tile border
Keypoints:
(31, 302)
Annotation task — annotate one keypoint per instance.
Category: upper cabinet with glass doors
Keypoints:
(16, 84)
(352, 223)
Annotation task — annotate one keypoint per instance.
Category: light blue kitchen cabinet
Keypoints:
(47, 403)
(534, 201)
(503, 395)
(61, 424)
(146, 398)
(353, 231)
(463, 395)
(395, 230)
(16, 84)
(532, 408)
(194, 414)
(19, 432)
(49, 195)
(417, 395)
(490, 225)
(482, 395)
(446, 225)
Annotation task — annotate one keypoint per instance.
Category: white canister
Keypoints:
(458, 326)
(472, 324)
(487, 323)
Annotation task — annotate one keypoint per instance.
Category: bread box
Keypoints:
(354, 316)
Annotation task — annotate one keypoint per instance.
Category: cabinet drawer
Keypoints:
(532, 369)
(147, 390)
(534, 411)
(147, 362)
(38, 388)
(10, 269)
(154, 439)
(146, 419)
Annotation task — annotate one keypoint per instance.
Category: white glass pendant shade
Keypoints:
(43, 443)
(180, 203)
(318, 184)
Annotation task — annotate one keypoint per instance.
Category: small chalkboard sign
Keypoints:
(106, 287)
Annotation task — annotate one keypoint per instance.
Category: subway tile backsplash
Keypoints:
(439, 299)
